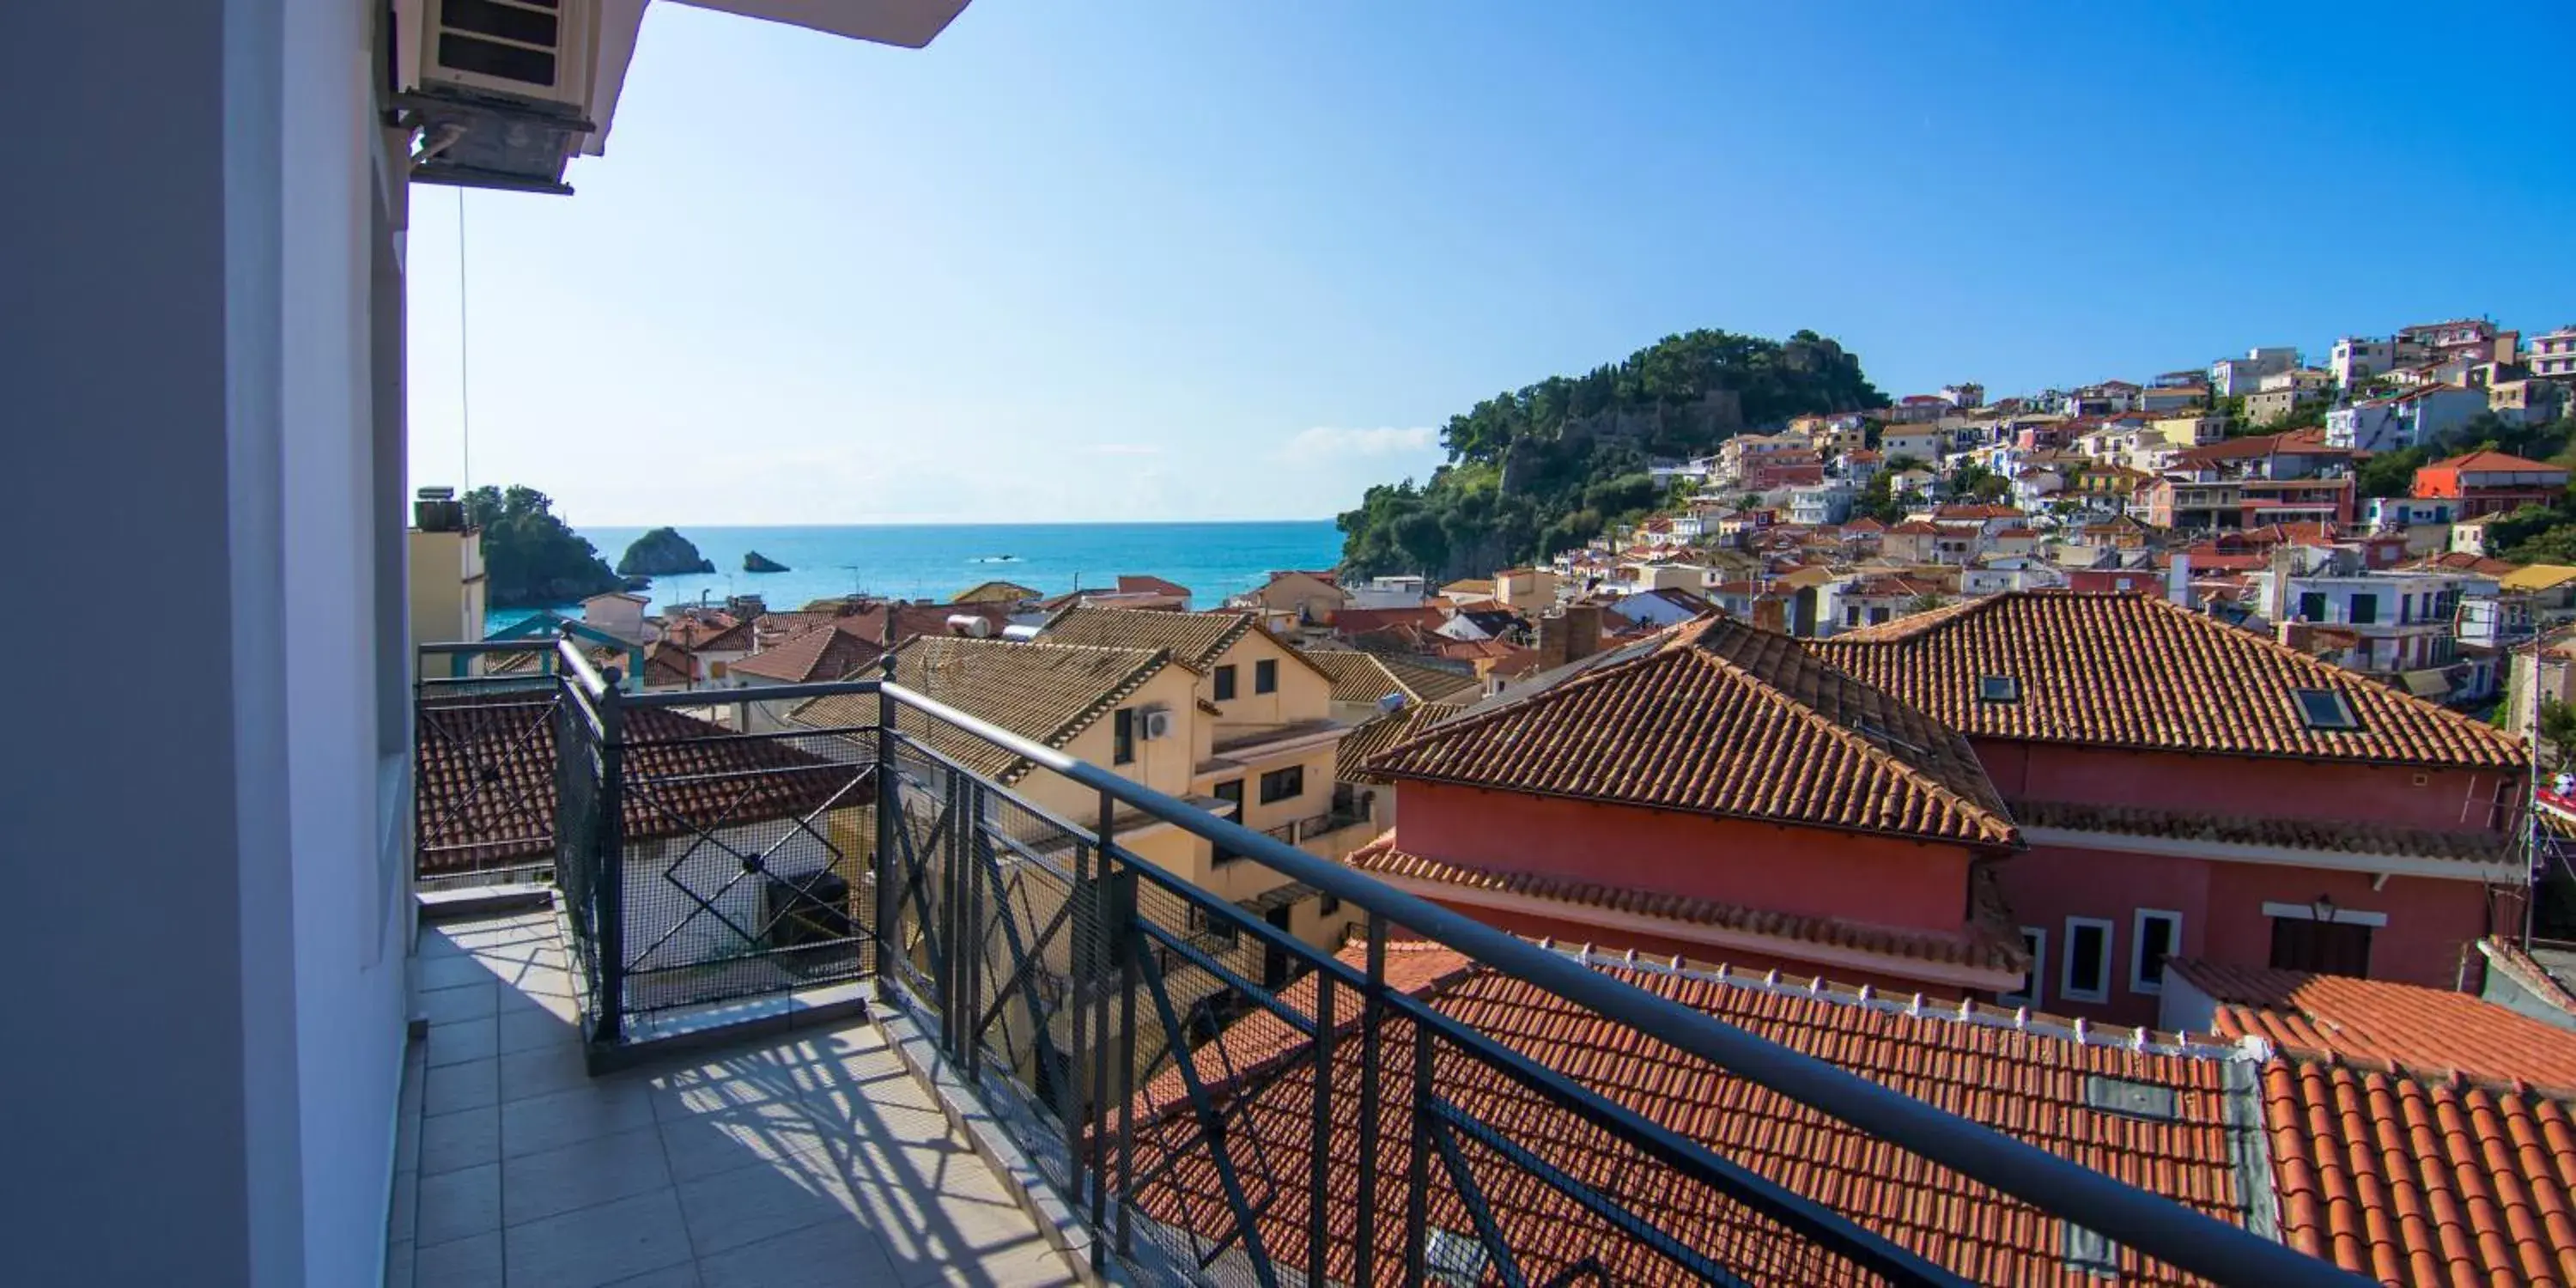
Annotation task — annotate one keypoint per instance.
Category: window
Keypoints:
(1998, 688)
(2034, 940)
(1225, 683)
(1851, 614)
(2325, 947)
(1283, 784)
(1122, 736)
(2324, 709)
(2158, 935)
(2339, 944)
(2365, 609)
(2087, 976)
(2312, 606)
(1265, 676)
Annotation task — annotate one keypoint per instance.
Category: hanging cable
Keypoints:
(464, 363)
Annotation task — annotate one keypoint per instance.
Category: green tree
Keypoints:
(2392, 473)
(530, 557)
(1549, 466)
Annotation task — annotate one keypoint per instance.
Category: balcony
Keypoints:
(882, 987)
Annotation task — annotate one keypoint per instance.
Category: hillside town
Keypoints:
(2131, 743)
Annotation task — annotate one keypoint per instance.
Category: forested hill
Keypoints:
(1551, 466)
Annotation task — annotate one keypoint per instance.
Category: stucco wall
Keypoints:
(2447, 800)
(2430, 922)
(1303, 693)
(1796, 870)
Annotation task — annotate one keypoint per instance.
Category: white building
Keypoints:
(2552, 354)
(1818, 504)
(2409, 419)
(2234, 377)
(2358, 358)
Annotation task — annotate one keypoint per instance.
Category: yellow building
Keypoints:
(447, 588)
(2188, 430)
(1529, 591)
(1308, 598)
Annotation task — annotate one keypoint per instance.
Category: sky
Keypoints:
(1108, 260)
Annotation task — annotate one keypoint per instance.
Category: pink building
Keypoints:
(1717, 793)
(2031, 797)
(2188, 788)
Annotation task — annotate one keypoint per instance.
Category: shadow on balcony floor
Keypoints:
(809, 1160)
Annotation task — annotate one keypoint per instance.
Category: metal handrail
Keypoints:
(2152, 1225)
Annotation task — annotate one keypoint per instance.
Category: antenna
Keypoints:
(464, 361)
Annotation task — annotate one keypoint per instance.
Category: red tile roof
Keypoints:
(1134, 584)
(2492, 461)
(1356, 621)
(485, 769)
(2422, 1183)
(815, 654)
(2427, 1030)
(2042, 1089)
(2126, 670)
(1729, 720)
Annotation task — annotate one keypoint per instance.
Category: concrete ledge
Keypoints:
(773, 1015)
(1019, 1175)
(464, 903)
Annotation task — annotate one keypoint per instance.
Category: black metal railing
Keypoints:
(484, 802)
(1217, 1099)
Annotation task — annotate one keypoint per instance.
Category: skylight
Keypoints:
(2325, 709)
(1998, 688)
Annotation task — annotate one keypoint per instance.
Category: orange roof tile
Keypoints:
(2042, 1089)
(2127, 670)
(485, 769)
(2422, 1183)
(1724, 719)
(2428, 1030)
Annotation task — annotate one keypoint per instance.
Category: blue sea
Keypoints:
(936, 561)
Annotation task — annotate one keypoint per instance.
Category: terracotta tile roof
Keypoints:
(993, 592)
(2342, 836)
(1366, 677)
(1990, 942)
(1043, 691)
(2430, 1031)
(2041, 1089)
(1135, 584)
(2416, 1182)
(1725, 719)
(1359, 621)
(1195, 639)
(486, 779)
(2134, 671)
(1378, 733)
(815, 654)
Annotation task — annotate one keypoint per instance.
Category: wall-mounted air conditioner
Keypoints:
(1157, 724)
(532, 49)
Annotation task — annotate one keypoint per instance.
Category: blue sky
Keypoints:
(1111, 260)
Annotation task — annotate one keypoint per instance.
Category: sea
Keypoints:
(936, 561)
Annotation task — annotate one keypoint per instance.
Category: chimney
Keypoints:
(1582, 631)
(2178, 581)
(1551, 640)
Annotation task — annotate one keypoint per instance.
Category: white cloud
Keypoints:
(1325, 443)
(1124, 449)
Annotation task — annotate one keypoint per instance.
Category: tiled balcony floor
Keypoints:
(812, 1160)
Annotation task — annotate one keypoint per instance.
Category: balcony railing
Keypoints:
(1116, 1020)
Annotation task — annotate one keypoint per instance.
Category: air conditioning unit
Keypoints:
(531, 49)
(1157, 724)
